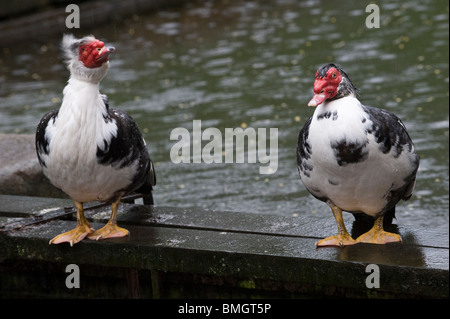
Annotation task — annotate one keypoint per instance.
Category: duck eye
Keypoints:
(334, 75)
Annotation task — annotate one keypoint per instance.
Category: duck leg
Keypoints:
(110, 230)
(343, 238)
(377, 235)
(79, 233)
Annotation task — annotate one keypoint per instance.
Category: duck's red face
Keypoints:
(325, 86)
(94, 53)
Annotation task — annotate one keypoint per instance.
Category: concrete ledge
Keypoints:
(189, 253)
(20, 172)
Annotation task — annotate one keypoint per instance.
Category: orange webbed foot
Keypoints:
(337, 240)
(108, 231)
(73, 236)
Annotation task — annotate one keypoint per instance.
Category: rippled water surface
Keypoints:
(251, 65)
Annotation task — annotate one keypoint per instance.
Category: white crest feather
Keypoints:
(70, 46)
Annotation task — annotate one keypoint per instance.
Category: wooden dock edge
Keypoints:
(194, 253)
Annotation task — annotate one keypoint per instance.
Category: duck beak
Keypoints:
(317, 99)
(104, 54)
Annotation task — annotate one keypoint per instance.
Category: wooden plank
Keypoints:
(241, 255)
(28, 211)
(16, 206)
(25, 206)
(130, 214)
(245, 246)
(266, 224)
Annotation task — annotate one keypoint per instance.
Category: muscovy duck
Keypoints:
(354, 157)
(89, 150)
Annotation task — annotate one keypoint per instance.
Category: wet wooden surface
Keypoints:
(270, 254)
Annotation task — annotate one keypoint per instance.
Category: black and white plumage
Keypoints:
(86, 148)
(354, 157)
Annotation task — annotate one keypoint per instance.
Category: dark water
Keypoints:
(251, 65)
